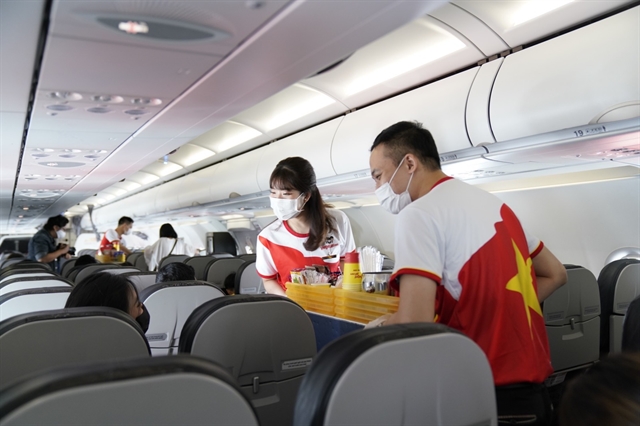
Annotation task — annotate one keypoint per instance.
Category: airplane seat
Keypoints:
(25, 282)
(32, 342)
(14, 264)
(265, 341)
(141, 280)
(619, 284)
(421, 374)
(84, 271)
(201, 264)
(22, 273)
(33, 300)
(90, 252)
(173, 258)
(169, 305)
(631, 327)
(121, 270)
(572, 319)
(138, 261)
(170, 391)
(248, 281)
(67, 266)
(249, 257)
(220, 269)
(223, 242)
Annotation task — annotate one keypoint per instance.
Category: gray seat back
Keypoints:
(420, 374)
(169, 305)
(168, 391)
(220, 269)
(619, 284)
(67, 266)
(173, 258)
(572, 318)
(23, 274)
(90, 252)
(248, 281)
(200, 264)
(265, 341)
(141, 280)
(33, 342)
(88, 270)
(33, 300)
(23, 283)
(121, 270)
(247, 257)
(138, 261)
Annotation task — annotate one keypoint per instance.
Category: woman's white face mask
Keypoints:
(391, 201)
(286, 208)
(60, 234)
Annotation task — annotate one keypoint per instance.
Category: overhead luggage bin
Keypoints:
(222, 187)
(440, 107)
(477, 114)
(313, 144)
(195, 188)
(559, 83)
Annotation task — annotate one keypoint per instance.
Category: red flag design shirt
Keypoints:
(280, 249)
(474, 247)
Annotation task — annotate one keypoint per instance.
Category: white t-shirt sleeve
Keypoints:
(112, 235)
(419, 246)
(265, 266)
(534, 244)
(344, 225)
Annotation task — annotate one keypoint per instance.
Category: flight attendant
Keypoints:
(307, 232)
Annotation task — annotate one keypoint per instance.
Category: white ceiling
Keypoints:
(215, 99)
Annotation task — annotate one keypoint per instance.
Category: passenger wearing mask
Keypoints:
(175, 272)
(168, 244)
(44, 246)
(307, 232)
(125, 224)
(464, 260)
(112, 291)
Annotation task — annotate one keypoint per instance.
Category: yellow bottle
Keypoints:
(352, 278)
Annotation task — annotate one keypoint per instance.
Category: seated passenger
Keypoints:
(230, 284)
(168, 244)
(607, 394)
(112, 291)
(85, 260)
(175, 272)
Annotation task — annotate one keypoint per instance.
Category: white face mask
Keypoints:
(285, 208)
(391, 201)
(127, 232)
(60, 234)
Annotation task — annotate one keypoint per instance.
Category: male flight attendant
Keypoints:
(463, 258)
(115, 235)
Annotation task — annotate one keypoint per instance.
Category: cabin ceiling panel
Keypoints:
(115, 69)
(11, 129)
(520, 22)
(237, 19)
(74, 139)
(409, 56)
(18, 51)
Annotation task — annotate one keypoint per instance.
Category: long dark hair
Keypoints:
(296, 173)
(102, 289)
(167, 231)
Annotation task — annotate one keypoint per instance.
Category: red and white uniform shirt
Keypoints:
(280, 249)
(111, 236)
(473, 246)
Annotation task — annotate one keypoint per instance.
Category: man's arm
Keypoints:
(550, 273)
(417, 300)
(50, 257)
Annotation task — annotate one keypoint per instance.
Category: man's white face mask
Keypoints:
(60, 234)
(285, 208)
(391, 201)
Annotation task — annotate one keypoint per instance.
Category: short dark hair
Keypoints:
(59, 221)
(176, 272)
(125, 220)
(167, 231)
(607, 394)
(85, 259)
(409, 137)
(102, 289)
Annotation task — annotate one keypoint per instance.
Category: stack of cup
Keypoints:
(352, 279)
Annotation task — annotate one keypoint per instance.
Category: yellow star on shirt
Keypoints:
(522, 283)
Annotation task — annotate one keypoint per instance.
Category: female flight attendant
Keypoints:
(306, 232)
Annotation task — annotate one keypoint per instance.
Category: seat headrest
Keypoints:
(33, 291)
(578, 300)
(144, 294)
